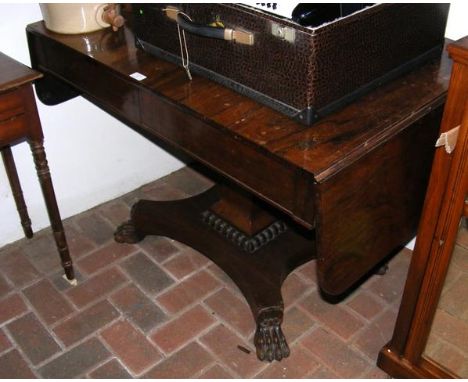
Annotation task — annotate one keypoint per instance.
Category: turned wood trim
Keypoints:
(442, 246)
(458, 91)
(399, 367)
(443, 207)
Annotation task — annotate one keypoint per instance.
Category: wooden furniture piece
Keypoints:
(19, 120)
(443, 208)
(346, 191)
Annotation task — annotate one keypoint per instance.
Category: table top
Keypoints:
(14, 73)
(322, 149)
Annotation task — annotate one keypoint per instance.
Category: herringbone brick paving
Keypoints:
(161, 310)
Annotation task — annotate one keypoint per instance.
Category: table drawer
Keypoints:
(11, 104)
(12, 130)
(227, 154)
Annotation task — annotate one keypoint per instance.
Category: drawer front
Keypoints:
(10, 105)
(227, 154)
(13, 129)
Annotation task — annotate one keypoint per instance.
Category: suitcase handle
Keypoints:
(228, 34)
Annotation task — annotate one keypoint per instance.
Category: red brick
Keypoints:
(453, 299)
(223, 342)
(322, 373)
(334, 317)
(61, 284)
(183, 329)
(138, 308)
(159, 248)
(185, 263)
(233, 310)
(215, 372)
(296, 323)
(50, 309)
(308, 272)
(42, 249)
(105, 256)
(219, 274)
(4, 342)
(146, 274)
(182, 364)
(42, 252)
(86, 322)
(293, 288)
(162, 191)
(376, 335)
(110, 370)
(390, 286)
(94, 227)
(365, 305)
(131, 197)
(462, 236)
(76, 362)
(298, 365)
(449, 356)
(78, 244)
(335, 354)
(13, 366)
(5, 288)
(116, 211)
(375, 373)
(188, 292)
(451, 329)
(33, 339)
(132, 347)
(18, 269)
(11, 307)
(96, 287)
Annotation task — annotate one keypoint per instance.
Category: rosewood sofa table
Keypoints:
(19, 121)
(346, 191)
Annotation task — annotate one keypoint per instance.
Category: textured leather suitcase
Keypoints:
(302, 72)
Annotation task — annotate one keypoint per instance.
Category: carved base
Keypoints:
(127, 233)
(247, 243)
(258, 276)
(269, 339)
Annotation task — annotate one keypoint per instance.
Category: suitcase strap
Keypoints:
(228, 34)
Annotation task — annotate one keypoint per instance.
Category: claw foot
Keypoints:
(382, 270)
(127, 233)
(269, 339)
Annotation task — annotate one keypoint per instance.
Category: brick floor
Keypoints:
(160, 309)
(448, 339)
(177, 333)
(32, 338)
(131, 346)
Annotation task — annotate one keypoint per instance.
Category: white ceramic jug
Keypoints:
(73, 18)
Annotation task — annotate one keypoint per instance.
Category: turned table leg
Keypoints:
(45, 180)
(12, 175)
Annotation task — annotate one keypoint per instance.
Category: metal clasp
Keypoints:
(283, 32)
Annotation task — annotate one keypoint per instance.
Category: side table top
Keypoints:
(14, 73)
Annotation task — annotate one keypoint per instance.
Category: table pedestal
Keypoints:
(258, 261)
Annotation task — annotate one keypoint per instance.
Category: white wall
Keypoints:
(93, 157)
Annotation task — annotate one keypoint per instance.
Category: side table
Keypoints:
(19, 120)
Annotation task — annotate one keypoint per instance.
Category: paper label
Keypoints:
(138, 76)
